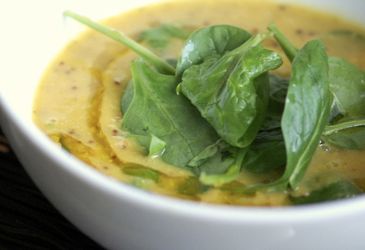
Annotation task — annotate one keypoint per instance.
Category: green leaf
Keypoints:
(160, 37)
(336, 114)
(232, 170)
(265, 157)
(157, 110)
(213, 40)
(347, 83)
(206, 154)
(306, 113)
(157, 147)
(306, 110)
(267, 152)
(278, 90)
(141, 171)
(277, 96)
(192, 186)
(160, 64)
(346, 134)
(235, 188)
(217, 164)
(335, 191)
(231, 92)
(127, 97)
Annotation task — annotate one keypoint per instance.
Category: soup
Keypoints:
(83, 101)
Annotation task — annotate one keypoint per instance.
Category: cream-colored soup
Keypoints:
(78, 103)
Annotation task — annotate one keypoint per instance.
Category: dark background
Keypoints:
(27, 219)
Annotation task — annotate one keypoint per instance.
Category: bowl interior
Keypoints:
(33, 38)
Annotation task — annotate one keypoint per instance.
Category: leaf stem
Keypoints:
(284, 42)
(160, 64)
(332, 129)
(252, 42)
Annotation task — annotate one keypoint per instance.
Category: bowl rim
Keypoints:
(175, 206)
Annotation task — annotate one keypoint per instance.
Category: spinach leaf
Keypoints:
(307, 109)
(213, 40)
(161, 65)
(336, 114)
(346, 134)
(235, 188)
(157, 147)
(334, 191)
(222, 169)
(265, 156)
(157, 110)
(306, 113)
(207, 153)
(277, 96)
(347, 84)
(141, 171)
(278, 89)
(353, 138)
(159, 37)
(267, 152)
(192, 186)
(231, 92)
(127, 97)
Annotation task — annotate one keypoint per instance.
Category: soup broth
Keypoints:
(78, 101)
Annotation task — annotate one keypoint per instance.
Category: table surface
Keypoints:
(27, 219)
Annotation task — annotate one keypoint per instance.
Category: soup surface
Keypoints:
(78, 103)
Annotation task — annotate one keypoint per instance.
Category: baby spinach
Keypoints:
(306, 113)
(208, 41)
(278, 89)
(192, 187)
(231, 92)
(220, 170)
(141, 171)
(127, 97)
(161, 65)
(347, 84)
(265, 156)
(217, 164)
(157, 147)
(277, 96)
(159, 37)
(156, 110)
(307, 109)
(207, 153)
(346, 134)
(338, 190)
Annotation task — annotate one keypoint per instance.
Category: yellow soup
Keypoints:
(78, 101)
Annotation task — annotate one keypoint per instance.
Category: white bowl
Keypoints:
(121, 217)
